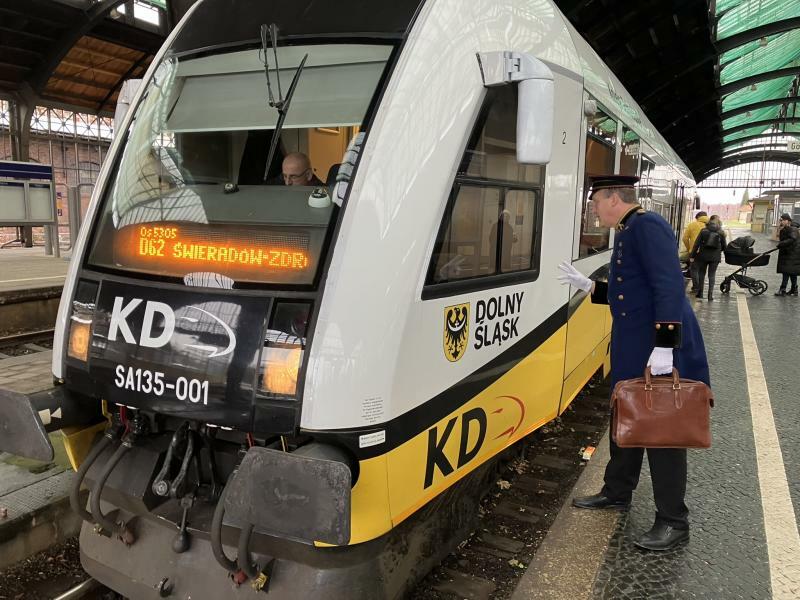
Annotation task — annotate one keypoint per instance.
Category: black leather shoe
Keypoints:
(662, 537)
(781, 293)
(598, 501)
(791, 293)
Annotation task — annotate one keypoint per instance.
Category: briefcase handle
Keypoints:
(648, 379)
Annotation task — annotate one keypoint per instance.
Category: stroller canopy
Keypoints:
(743, 244)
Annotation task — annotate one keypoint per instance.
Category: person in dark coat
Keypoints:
(707, 254)
(655, 326)
(788, 255)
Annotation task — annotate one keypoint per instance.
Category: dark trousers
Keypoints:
(786, 279)
(701, 267)
(668, 471)
(693, 273)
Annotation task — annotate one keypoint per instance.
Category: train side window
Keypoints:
(646, 170)
(629, 159)
(469, 244)
(491, 231)
(601, 140)
(492, 149)
(517, 255)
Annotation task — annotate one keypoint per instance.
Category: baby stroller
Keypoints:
(740, 253)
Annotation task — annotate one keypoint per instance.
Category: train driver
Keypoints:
(296, 170)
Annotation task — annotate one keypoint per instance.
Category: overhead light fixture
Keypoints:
(763, 41)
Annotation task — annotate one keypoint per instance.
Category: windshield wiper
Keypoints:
(282, 104)
(272, 30)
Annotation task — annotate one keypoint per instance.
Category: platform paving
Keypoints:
(33, 494)
(728, 556)
(29, 268)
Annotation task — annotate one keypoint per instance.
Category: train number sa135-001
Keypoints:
(145, 381)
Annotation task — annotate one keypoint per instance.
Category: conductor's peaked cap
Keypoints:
(599, 182)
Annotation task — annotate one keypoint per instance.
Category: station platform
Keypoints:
(743, 493)
(24, 269)
(34, 496)
(30, 288)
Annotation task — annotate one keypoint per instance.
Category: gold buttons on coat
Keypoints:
(658, 325)
(670, 327)
(619, 262)
(619, 278)
(620, 244)
(623, 314)
(620, 297)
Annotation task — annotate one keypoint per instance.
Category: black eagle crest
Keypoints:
(456, 331)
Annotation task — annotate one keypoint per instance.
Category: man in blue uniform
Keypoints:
(653, 326)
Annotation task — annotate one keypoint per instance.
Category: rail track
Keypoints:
(25, 342)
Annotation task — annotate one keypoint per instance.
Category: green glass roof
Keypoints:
(740, 51)
(757, 57)
(726, 5)
(750, 14)
(745, 133)
(783, 51)
(758, 114)
(764, 90)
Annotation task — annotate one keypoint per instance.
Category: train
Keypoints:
(271, 388)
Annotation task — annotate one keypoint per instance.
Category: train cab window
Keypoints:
(601, 141)
(192, 191)
(492, 150)
(491, 228)
(629, 159)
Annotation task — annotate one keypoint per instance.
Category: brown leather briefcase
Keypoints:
(661, 412)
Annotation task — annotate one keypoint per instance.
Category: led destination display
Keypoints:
(254, 255)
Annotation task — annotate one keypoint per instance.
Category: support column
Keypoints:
(20, 113)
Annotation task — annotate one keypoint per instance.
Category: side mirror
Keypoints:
(535, 100)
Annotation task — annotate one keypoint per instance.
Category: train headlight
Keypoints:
(80, 321)
(79, 336)
(284, 346)
(281, 366)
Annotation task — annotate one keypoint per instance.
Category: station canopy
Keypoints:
(76, 54)
(718, 79)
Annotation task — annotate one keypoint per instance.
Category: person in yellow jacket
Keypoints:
(690, 234)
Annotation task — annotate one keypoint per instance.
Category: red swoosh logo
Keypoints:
(512, 430)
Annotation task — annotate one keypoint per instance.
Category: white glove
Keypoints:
(571, 276)
(660, 361)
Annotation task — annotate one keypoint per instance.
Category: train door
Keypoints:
(491, 318)
(587, 327)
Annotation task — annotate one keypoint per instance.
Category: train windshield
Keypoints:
(192, 195)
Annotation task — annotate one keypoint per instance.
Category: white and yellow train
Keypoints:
(337, 357)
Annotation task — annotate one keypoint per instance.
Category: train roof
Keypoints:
(604, 86)
(220, 22)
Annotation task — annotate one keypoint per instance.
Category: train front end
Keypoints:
(185, 323)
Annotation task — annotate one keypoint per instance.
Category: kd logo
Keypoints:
(456, 331)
